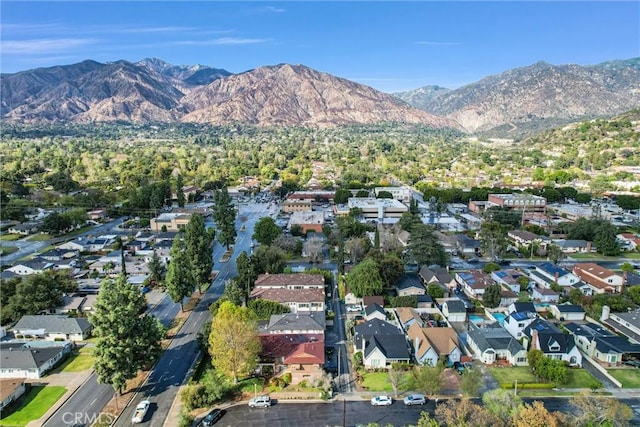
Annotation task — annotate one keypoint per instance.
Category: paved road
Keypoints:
(27, 247)
(352, 413)
(169, 373)
(85, 404)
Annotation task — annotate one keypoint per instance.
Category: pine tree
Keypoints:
(180, 280)
(180, 191)
(198, 251)
(224, 213)
(126, 341)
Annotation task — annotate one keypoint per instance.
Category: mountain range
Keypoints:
(152, 90)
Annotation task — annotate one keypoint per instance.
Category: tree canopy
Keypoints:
(266, 231)
(126, 340)
(364, 279)
(180, 281)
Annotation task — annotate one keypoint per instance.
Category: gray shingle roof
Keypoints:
(23, 357)
(53, 324)
(392, 346)
(494, 337)
(301, 321)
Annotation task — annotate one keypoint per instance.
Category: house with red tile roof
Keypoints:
(600, 279)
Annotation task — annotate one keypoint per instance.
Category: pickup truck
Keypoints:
(141, 411)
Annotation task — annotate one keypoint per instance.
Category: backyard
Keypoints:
(37, 401)
(629, 377)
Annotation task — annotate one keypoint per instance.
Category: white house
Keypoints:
(375, 311)
(515, 323)
(53, 327)
(430, 344)
(568, 312)
(600, 279)
(545, 295)
(19, 360)
(454, 310)
(492, 343)
(547, 273)
(555, 344)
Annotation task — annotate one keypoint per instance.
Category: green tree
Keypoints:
(234, 343)
(246, 277)
(490, 267)
(502, 403)
(198, 251)
(268, 259)
(435, 290)
(605, 239)
(125, 341)
(429, 379)
(224, 214)
(40, 292)
(266, 231)
(555, 254)
(424, 247)
(180, 191)
(471, 382)
(364, 279)
(55, 223)
(493, 241)
(156, 268)
(634, 293)
(341, 197)
(492, 295)
(179, 282)
(263, 309)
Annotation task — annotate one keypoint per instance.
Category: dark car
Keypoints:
(211, 418)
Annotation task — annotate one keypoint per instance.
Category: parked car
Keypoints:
(415, 399)
(353, 308)
(381, 401)
(211, 418)
(260, 402)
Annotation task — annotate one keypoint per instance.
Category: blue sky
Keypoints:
(390, 46)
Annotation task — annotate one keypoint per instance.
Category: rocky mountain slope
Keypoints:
(154, 91)
(422, 97)
(542, 92)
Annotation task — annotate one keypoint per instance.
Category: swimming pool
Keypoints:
(476, 319)
(500, 318)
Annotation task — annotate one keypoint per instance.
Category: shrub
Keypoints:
(287, 378)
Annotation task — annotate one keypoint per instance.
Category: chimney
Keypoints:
(534, 339)
(417, 344)
(556, 276)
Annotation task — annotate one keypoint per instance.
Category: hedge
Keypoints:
(510, 386)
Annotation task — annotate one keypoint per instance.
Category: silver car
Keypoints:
(415, 399)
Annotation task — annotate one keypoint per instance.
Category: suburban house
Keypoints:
(600, 279)
(454, 310)
(547, 273)
(554, 343)
(568, 312)
(293, 344)
(290, 281)
(601, 344)
(409, 284)
(466, 245)
(307, 221)
(20, 360)
(574, 246)
(526, 238)
(516, 322)
(437, 275)
(628, 241)
(313, 323)
(522, 307)
(25, 228)
(544, 295)
(53, 327)
(408, 317)
(10, 390)
(296, 299)
(508, 278)
(474, 282)
(430, 344)
(493, 344)
(367, 300)
(73, 245)
(381, 344)
(627, 324)
(425, 301)
(375, 311)
(58, 254)
(34, 266)
(70, 304)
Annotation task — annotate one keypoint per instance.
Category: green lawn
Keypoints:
(77, 362)
(510, 375)
(630, 378)
(34, 405)
(6, 250)
(631, 255)
(576, 378)
(377, 381)
(10, 237)
(40, 237)
(580, 378)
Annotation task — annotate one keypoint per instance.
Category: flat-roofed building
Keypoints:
(172, 221)
(308, 221)
(297, 205)
(402, 194)
(377, 208)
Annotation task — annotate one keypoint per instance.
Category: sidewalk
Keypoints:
(71, 380)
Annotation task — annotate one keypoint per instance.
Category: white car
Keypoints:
(381, 401)
(353, 308)
(140, 412)
(260, 402)
(415, 399)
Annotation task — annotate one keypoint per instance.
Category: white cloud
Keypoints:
(40, 46)
(274, 9)
(222, 41)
